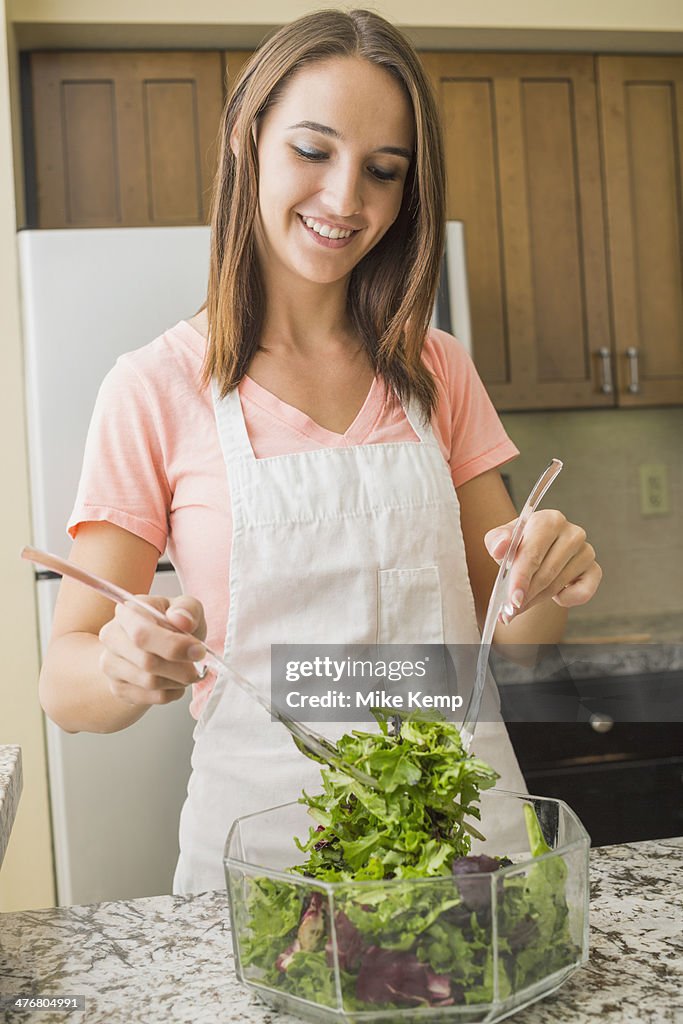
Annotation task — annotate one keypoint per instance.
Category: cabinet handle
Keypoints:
(601, 723)
(632, 356)
(606, 385)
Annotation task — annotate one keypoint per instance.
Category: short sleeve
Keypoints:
(465, 420)
(123, 479)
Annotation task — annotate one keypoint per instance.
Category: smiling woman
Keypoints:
(366, 156)
(321, 465)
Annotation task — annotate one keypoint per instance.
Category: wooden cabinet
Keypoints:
(524, 174)
(641, 101)
(564, 168)
(124, 139)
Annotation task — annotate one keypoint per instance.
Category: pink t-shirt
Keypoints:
(153, 463)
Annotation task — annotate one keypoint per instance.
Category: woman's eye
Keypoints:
(309, 154)
(315, 154)
(383, 175)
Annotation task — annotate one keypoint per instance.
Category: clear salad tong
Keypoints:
(303, 736)
(499, 600)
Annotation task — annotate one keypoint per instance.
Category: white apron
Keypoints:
(357, 545)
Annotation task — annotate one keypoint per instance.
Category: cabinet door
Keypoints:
(522, 152)
(642, 135)
(124, 139)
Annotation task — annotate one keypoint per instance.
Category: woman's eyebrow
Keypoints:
(325, 129)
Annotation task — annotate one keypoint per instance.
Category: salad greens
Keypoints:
(415, 824)
(423, 934)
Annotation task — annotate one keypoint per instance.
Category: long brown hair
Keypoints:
(392, 289)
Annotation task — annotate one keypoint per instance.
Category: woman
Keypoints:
(321, 465)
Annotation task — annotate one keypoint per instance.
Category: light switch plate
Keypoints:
(654, 489)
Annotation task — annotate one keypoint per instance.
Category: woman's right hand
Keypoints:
(146, 663)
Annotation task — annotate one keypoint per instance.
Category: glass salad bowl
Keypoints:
(469, 946)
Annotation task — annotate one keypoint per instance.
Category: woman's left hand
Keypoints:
(554, 561)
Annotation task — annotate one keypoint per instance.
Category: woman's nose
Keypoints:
(343, 191)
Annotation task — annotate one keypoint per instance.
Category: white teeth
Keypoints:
(325, 230)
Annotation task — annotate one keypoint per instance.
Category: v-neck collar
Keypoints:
(356, 433)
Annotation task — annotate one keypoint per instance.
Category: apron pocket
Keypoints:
(409, 606)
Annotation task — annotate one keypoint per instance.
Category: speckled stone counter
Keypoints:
(610, 646)
(169, 959)
(591, 661)
(660, 648)
(10, 790)
(662, 627)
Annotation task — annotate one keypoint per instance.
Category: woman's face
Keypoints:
(335, 150)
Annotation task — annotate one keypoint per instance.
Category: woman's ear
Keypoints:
(233, 139)
(234, 144)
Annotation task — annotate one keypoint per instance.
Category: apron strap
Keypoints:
(415, 417)
(232, 430)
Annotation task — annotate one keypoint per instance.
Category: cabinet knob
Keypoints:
(634, 383)
(601, 723)
(606, 385)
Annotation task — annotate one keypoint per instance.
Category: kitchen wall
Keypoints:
(599, 488)
(589, 25)
(605, 15)
(26, 875)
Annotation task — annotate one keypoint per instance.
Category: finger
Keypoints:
(540, 534)
(581, 590)
(497, 541)
(567, 558)
(150, 636)
(188, 613)
(138, 686)
(154, 601)
(139, 697)
(121, 669)
(117, 642)
(576, 567)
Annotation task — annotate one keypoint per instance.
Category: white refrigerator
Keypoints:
(452, 306)
(88, 296)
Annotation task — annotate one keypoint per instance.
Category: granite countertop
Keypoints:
(603, 647)
(169, 958)
(660, 628)
(10, 790)
(626, 644)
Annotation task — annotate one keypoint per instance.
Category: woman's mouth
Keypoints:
(326, 243)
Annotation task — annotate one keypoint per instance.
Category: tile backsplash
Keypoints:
(600, 488)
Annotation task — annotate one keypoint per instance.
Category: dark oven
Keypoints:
(623, 779)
